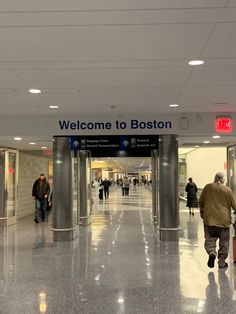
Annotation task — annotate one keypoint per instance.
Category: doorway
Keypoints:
(9, 160)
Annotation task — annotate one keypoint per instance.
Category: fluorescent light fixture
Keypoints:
(196, 62)
(174, 105)
(216, 136)
(35, 91)
(43, 147)
(32, 143)
(206, 142)
(53, 107)
(196, 146)
(17, 138)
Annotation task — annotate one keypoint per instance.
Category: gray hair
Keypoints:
(219, 177)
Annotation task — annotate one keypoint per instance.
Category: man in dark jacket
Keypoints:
(106, 184)
(40, 192)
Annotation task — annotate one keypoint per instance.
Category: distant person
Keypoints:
(191, 189)
(122, 187)
(99, 187)
(215, 204)
(40, 192)
(106, 185)
(126, 184)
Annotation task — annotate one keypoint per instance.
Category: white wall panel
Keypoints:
(204, 163)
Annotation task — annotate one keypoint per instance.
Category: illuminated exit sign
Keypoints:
(223, 124)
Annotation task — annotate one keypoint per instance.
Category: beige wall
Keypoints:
(203, 163)
(30, 167)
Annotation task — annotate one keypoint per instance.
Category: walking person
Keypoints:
(106, 185)
(40, 192)
(126, 184)
(99, 189)
(216, 202)
(191, 189)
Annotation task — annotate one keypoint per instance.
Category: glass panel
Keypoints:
(89, 183)
(231, 168)
(11, 198)
(182, 177)
(75, 187)
(2, 183)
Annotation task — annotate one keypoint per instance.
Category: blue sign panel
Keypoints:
(124, 145)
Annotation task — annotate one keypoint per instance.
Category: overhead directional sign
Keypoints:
(109, 146)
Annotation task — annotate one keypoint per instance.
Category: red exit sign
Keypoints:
(223, 124)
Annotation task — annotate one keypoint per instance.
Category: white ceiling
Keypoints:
(89, 56)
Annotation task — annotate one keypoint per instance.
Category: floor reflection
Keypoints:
(116, 265)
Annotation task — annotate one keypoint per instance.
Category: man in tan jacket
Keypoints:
(216, 202)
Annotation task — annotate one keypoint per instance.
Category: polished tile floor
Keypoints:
(116, 265)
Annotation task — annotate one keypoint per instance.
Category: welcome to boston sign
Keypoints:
(118, 125)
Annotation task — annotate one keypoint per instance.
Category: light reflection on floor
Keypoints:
(116, 265)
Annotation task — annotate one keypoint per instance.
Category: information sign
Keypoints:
(116, 146)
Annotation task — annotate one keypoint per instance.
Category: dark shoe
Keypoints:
(36, 220)
(225, 265)
(192, 213)
(43, 220)
(211, 261)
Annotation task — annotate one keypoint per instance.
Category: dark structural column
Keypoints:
(155, 186)
(64, 225)
(84, 192)
(168, 180)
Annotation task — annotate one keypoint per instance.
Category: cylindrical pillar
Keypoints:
(84, 216)
(62, 219)
(155, 186)
(168, 180)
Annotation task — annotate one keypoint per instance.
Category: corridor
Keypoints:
(116, 265)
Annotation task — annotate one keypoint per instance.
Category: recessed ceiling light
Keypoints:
(216, 136)
(32, 143)
(174, 105)
(196, 146)
(196, 62)
(17, 138)
(53, 107)
(206, 142)
(43, 147)
(35, 91)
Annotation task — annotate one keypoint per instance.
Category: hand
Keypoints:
(45, 196)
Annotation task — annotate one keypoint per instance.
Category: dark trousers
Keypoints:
(212, 234)
(106, 193)
(40, 208)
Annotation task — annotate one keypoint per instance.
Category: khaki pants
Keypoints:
(212, 234)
